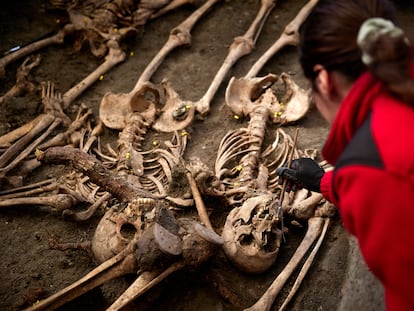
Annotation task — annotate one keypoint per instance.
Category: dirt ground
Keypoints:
(30, 270)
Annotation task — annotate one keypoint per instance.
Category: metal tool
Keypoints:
(279, 212)
(20, 46)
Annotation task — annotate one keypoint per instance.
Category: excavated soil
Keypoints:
(30, 270)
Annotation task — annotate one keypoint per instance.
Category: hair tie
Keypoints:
(371, 30)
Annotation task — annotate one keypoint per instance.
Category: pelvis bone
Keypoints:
(250, 234)
(241, 93)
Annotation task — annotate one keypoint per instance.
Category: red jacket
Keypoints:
(371, 146)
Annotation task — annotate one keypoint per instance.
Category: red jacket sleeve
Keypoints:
(326, 187)
(383, 225)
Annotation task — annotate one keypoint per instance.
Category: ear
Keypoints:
(323, 81)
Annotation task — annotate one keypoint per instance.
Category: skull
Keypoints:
(250, 234)
(116, 229)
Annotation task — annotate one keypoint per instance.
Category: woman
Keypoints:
(361, 70)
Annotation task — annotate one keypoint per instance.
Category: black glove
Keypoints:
(303, 173)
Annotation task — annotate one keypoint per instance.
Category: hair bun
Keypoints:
(375, 30)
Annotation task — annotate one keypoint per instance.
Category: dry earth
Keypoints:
(30, 270)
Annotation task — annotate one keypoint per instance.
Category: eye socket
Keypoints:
(128, 231)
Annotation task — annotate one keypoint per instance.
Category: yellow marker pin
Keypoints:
(127, 155)
(131, 53)
(184, 133)
(101, 77)
(236, 117)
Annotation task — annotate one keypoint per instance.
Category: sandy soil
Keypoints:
(30, 270)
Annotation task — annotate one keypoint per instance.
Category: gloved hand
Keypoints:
(303, 173)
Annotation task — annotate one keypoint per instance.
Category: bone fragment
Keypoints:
(85, 215)
(69, 136)
(290, 36)
(52, 117)
(241, 46)
(7, 139)
(114, 57)
(265, 302)
(22, 83)
(180, 35)
(60, 202)
(303, 208)
(142, 284)
(58, 38)
(115, 107)
(201, 209)
(119, 265)
(297, 105)
(12, 152)
(31, 189)
(34, 129)
(171, 6)
(52, 102)
(306, 265)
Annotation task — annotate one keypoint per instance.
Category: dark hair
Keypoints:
(329, 37)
